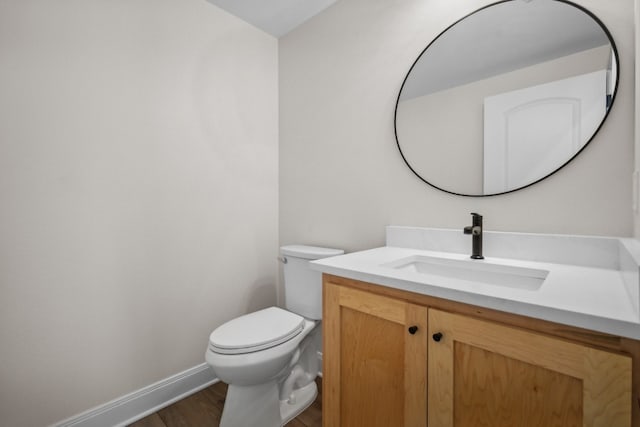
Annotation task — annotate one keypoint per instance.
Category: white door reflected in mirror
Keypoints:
(529, 133)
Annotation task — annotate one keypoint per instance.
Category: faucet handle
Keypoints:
(474, 230)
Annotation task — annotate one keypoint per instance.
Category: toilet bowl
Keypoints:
(269, 357)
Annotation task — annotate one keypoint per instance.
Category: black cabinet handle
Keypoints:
(413, 329)
(437, 336)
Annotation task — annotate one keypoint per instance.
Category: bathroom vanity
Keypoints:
(411, 339)
(545, 329)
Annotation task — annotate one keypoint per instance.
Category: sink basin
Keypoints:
(478, 271)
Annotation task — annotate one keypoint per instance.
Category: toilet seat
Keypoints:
(256, 331)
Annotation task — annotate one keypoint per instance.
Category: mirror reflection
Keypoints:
(506, 96)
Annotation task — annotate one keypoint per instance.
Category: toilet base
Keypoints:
(259, 406)
(252, 406)
(303, 398)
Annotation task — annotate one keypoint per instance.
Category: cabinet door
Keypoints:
(486, 374)
(375, 368)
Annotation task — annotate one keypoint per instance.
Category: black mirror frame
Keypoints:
(615, 91)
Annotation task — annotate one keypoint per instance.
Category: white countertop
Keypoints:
(595, 298)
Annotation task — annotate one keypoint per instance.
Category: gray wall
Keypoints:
(341, 177)
(138, 182)
(636, 217)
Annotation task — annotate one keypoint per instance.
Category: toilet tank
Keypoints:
(302, 285)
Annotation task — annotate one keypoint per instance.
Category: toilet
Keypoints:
(269, 357)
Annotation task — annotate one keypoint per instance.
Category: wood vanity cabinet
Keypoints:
(486, 374)
(374, 369)
(393, 358)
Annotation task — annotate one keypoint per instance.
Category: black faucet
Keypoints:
(475, 229)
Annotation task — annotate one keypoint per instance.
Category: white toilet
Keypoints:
(269, 357)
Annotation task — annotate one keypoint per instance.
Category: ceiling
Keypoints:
(538, 31)
(276, 17)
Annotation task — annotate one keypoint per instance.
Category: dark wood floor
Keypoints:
(204, 408)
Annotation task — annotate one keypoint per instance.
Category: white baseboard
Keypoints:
(134, 406)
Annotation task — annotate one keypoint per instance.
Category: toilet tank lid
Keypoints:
(309, 252)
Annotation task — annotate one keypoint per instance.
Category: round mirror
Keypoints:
(506, 96)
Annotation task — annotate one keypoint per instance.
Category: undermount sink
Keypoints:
(478, 271)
